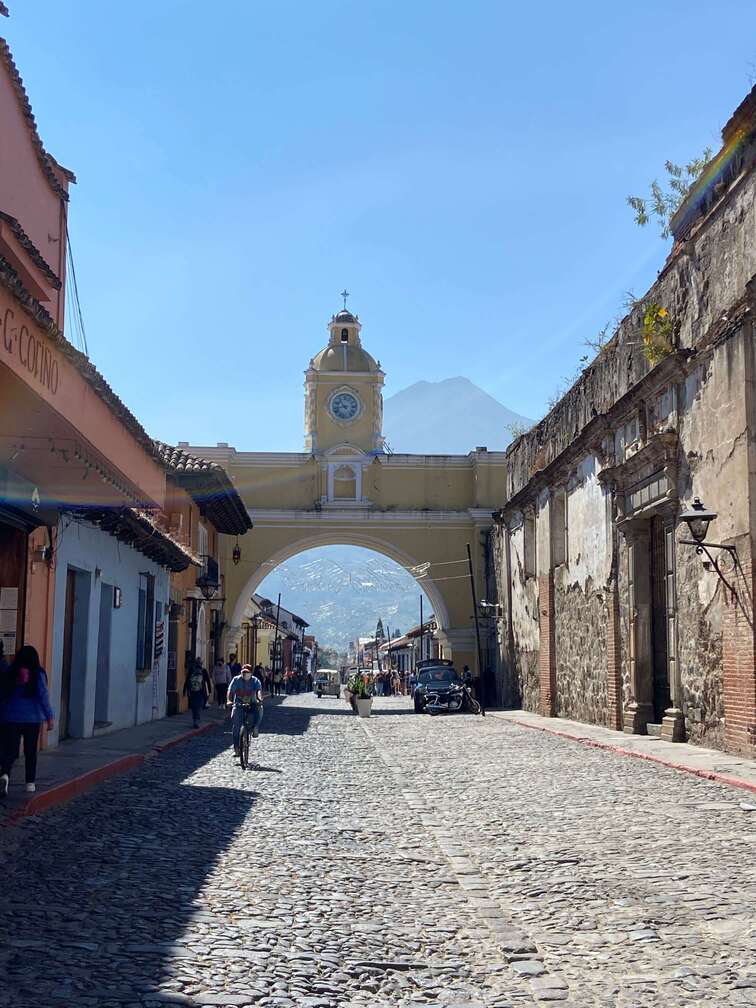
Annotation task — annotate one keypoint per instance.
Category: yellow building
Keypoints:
(420, 510)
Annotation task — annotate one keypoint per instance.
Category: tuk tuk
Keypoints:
(328, 682)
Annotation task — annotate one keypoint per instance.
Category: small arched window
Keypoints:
(344, 335)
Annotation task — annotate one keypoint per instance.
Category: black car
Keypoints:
(434, 675)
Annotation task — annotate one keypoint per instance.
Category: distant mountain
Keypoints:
(450, 417)
(342, 592)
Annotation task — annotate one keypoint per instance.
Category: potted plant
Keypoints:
(362, 690)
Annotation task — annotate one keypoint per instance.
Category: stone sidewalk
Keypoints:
(711, 764)
(77, 765)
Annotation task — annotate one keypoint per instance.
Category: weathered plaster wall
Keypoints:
(713, 425)
(522, 652)
(588, 529)
(580, 621)
(580, 614)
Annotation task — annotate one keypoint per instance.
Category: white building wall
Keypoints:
(88, 550)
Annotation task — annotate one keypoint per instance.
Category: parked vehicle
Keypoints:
(440, 690)
(328, 682)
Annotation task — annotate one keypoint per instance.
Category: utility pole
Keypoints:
(255, 621)
(275, 639)
(422, 628)
(477, 627)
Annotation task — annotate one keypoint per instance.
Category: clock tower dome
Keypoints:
(344, 394)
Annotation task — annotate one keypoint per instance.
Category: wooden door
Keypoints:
(65, 677)
(13, 550)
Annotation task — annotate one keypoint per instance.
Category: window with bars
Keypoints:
(145, 622)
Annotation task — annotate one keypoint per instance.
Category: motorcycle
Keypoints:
(454, 699)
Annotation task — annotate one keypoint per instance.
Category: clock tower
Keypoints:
(344, 395)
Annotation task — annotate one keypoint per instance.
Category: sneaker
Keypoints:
(236, 754)
(3, 785)
(31, 788)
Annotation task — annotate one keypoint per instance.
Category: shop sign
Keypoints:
(32, 351)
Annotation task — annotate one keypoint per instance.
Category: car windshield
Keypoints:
(438, 675)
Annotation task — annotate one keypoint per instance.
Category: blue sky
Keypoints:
(461, 168)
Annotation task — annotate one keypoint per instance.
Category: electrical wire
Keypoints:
(77, 314)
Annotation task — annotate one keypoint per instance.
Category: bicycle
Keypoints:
(245, 732)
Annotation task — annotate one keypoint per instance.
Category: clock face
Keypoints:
(345, 406)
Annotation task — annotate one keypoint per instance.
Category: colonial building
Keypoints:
(608, 614)
(89, 540)
(201, 505)
(274, 637)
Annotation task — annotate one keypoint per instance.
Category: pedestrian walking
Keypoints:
(233, 665)
(277, 682)
(198, 688)
(221, 679)
(24, 708)
(259, 673)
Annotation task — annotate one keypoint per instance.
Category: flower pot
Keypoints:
(364, 706)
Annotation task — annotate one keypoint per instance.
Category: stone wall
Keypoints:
(699, 623)
(580, 636)
(620, 456)
(517, 628)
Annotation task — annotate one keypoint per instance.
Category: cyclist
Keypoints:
(244, 697)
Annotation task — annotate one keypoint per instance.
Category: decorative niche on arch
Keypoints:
(345, 482)
(344, 466)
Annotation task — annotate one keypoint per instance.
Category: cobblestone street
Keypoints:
(407, 860)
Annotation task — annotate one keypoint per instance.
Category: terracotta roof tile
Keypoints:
(209, 485)
(177, 458)
(34, 254)
(46, 160)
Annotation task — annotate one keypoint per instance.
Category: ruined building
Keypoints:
(604, 615)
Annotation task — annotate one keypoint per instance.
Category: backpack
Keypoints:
(196, 682)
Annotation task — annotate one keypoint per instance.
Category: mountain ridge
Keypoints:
(452, 416)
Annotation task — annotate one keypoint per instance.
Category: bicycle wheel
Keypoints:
(244, 747)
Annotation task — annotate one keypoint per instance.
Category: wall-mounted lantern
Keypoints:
(236, 554)
(698, 519)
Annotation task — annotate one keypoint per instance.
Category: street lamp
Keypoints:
(208, 582)
(207, 587)
(698, 519)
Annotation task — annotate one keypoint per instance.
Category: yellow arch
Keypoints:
(339, 537)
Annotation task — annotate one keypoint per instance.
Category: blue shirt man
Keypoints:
(245, 699)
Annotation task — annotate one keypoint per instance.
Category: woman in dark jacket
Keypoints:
(24, 706)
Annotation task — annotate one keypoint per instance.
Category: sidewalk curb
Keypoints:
(710, 775)
(64, 792)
